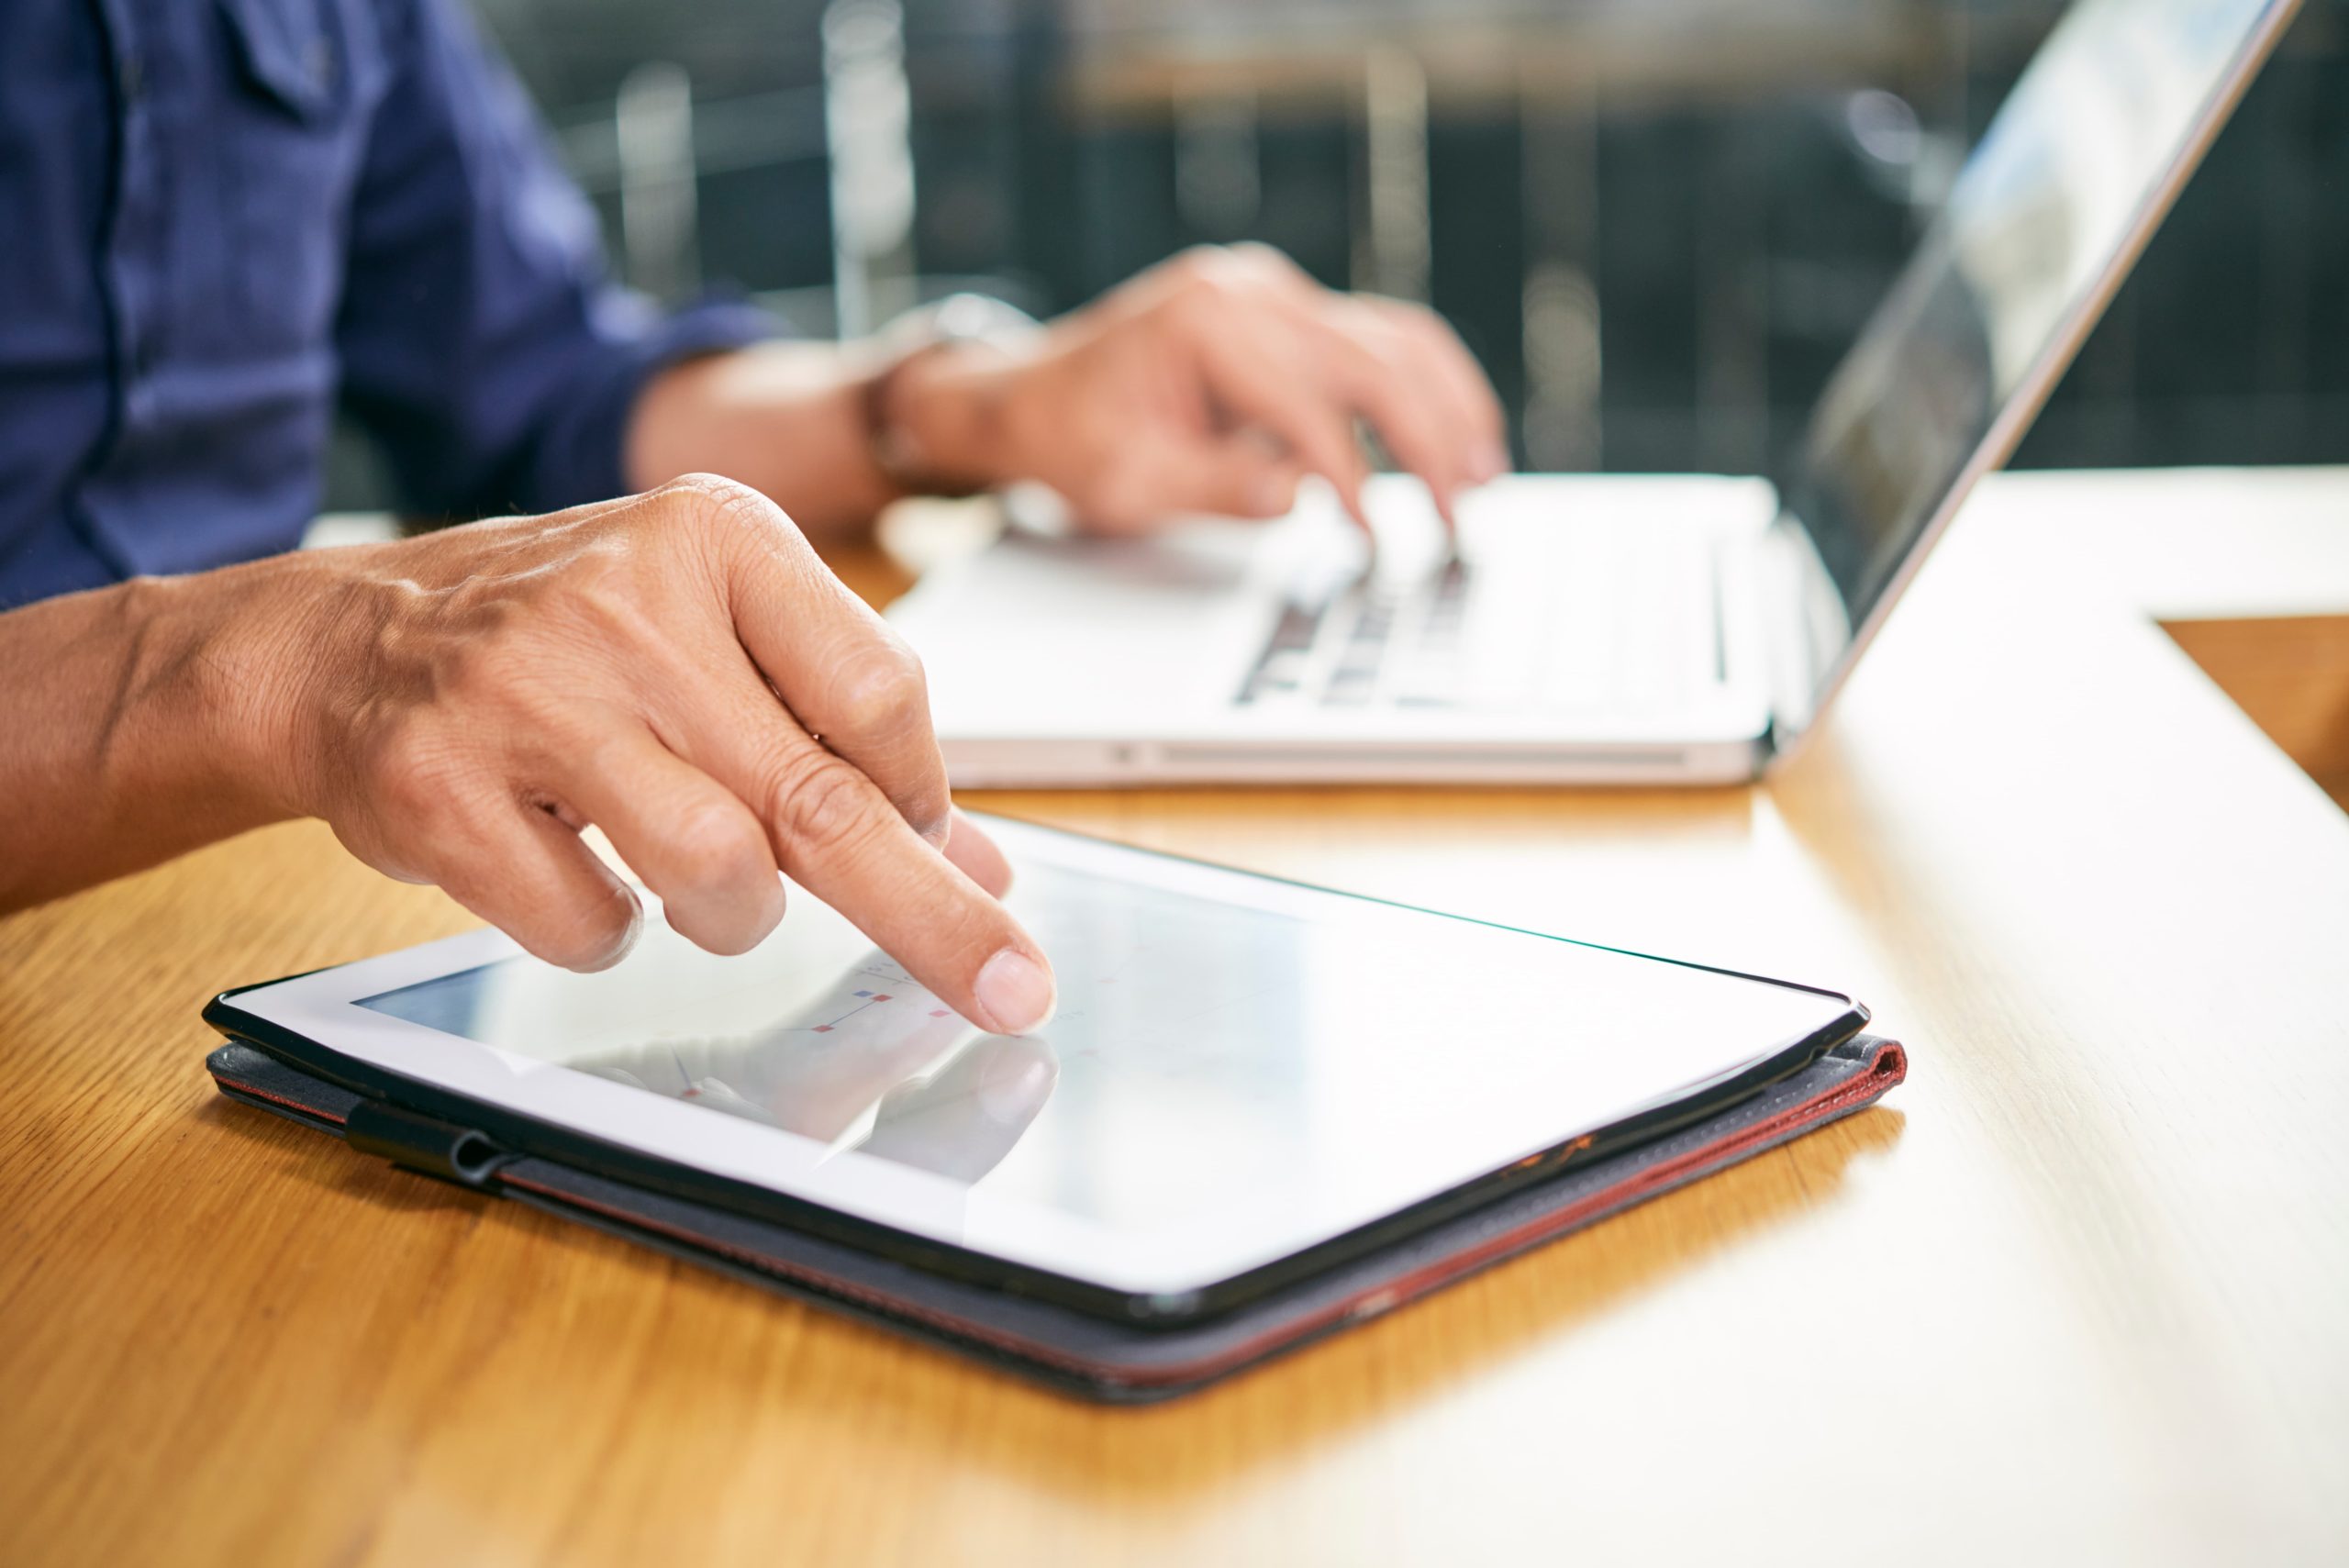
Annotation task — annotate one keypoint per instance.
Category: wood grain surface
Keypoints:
(2291, 675)
(2080, 1290)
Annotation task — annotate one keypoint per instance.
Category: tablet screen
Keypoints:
(1238, 1069)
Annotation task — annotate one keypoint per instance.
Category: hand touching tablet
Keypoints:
(676, 667)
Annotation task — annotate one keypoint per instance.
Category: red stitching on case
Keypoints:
(1882, 1072)
(260, 1094)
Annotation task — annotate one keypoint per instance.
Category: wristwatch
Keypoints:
(958, 319)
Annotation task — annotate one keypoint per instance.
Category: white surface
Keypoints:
(2185, 543)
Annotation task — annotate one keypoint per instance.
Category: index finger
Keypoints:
(1258, 382)
(1443, 357)
(848, 678)
(836, 835)
(1373, 368)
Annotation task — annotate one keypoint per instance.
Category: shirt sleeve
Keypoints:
(483, 342)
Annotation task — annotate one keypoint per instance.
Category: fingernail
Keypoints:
(1495, 461)
(1015, 993)
(625, 942)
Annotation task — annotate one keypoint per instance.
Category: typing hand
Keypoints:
(676, 667)
(1210, 383)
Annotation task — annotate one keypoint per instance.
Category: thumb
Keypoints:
(1234, 476)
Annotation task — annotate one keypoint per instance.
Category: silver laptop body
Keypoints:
(1604, 628)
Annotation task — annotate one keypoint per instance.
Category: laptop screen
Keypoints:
(2045, 215)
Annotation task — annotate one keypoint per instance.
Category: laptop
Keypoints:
(1600, 628)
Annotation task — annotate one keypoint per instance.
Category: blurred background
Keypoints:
(1658, 222)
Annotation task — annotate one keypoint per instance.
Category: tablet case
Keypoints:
(1072, 1350)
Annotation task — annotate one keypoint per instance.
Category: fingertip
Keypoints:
(1444, 493)
(1016, 992)
(759, 930)
(622, 942)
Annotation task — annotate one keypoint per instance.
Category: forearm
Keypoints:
(786, 419)
(794, 420)
(131, 716)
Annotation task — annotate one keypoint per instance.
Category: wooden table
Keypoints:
(2080, 1288)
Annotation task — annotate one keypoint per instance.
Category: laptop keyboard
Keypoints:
(1607, 627)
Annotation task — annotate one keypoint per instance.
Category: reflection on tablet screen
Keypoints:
(859, 1055)
(1276, 1054)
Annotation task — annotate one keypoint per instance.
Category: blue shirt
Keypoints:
(219, 218)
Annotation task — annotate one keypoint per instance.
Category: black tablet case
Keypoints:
(1073, 1351)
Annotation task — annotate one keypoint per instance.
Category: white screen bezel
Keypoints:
(1173, 1262)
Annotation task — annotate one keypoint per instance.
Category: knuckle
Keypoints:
(1437, 332)
(714, 846)
(883, 692)
(1213, 277)
(715, 489)
(1265, 263)
(816, 798)
(1198, 263)
(714, 499)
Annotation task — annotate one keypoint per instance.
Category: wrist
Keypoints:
(937, 419)
(935, 410)
(148, 718)
(230, 663)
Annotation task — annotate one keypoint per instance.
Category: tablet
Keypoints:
(1247, 1080)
